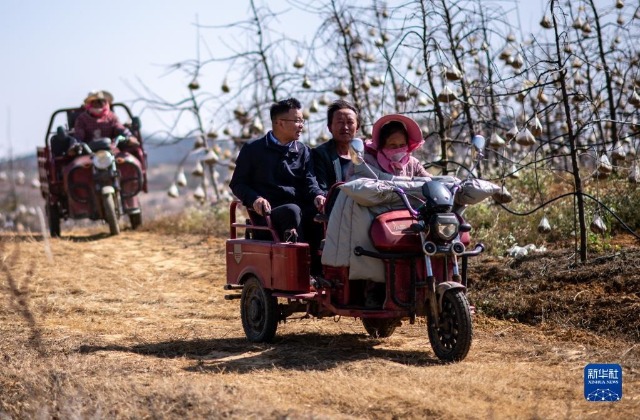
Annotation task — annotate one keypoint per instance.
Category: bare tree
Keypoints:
(556, 101)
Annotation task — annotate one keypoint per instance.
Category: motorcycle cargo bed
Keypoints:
(281, 266)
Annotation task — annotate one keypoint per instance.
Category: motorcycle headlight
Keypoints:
(102, 159)
(446, 227)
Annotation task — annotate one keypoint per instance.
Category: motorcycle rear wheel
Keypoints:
(136, 220)
(110, 214)
(381, 327)
(451, 340)
(53, 214)
(259, 312)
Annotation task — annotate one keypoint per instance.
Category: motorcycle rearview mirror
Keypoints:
(478, 142)
(135, 123)
(356, 151)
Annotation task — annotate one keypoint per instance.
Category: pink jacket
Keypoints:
(89, 128)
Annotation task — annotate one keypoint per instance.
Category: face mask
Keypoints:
(396, 155)
(96, 112)
(99, 111)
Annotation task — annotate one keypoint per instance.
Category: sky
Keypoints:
(56, 51)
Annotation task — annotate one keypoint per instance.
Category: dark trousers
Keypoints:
(286, 217)
(283, 218)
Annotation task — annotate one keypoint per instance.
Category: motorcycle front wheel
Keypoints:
(451, 339)
(110, 214)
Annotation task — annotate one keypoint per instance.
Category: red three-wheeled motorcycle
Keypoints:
(99, 180)
(423, 250)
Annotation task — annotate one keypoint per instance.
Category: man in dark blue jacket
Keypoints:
(274, 174)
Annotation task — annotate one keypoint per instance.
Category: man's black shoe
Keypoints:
(291, 235)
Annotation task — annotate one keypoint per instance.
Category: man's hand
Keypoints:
(261, 206)
(133, 141)
(319, 202)
(75, 150)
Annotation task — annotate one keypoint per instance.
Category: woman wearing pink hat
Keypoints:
(394, 137)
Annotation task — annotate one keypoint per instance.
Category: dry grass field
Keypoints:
(136, 326)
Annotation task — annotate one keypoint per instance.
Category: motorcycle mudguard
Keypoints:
(107, 189)
(79, 187)
(131, 205)
(444, 286)
(131, 175)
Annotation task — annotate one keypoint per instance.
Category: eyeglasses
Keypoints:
(296, 122)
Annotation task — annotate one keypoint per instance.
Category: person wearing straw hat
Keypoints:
(98, 121)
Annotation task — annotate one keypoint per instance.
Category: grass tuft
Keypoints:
(209, 221)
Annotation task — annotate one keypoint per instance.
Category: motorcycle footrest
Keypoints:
(321, 283)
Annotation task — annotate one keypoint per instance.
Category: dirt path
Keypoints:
(136, 326)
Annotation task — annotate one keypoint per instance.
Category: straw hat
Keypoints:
(98, 94)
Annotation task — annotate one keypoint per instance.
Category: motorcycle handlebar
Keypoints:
(85, 148)
(477, 250)
(405, 200)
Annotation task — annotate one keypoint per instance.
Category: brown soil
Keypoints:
(136, 326)
(600, 296)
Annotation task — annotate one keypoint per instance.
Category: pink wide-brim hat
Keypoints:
(415, 134)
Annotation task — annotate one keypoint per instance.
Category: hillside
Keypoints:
(163, 161)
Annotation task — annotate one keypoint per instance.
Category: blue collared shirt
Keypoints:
(273, 138)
